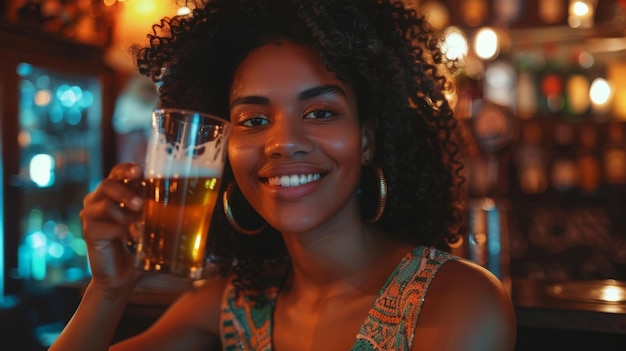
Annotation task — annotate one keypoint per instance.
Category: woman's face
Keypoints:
(296, 147)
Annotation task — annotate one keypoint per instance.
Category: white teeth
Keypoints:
(293, 179)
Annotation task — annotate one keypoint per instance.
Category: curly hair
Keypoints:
(392, 57)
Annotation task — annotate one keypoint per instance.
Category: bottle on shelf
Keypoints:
(563, 167)
(531, 160)
(576, 91)
(588, 161)
(552, 11)
(614, 156)
(551, 85)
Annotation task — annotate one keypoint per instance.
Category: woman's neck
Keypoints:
(359, 257)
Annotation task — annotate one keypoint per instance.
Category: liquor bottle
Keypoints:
(563, 167)
(474, 12)
(577, 84)
(526, 87)
(614, 155)
(552, 11)
(506, 11)
(588, 161)
(526, 95)
(551, 100)
(531, 160)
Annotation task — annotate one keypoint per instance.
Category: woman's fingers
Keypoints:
(114, 204)
(125, 171)
(122, 188)
(124, 195)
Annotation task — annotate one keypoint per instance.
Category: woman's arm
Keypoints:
(94, 322)
(190, 323)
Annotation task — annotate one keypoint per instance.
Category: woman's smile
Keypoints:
(293, 179)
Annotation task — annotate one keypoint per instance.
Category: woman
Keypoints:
(343, 149)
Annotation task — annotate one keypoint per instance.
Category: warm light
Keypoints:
(586, 60)
(133, 23)
(24, 138)
(486, 43)
(581, 13)
(616, 74)
(613, 294)
(500, 83)
(43, 97)
(142, 7)
(580, 8)
(455, 44)
(436, 13)
(600, 94)
(577, 91)
(183, 11)
(488, 204)
(600, 91)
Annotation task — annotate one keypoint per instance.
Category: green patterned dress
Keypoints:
(389, 324)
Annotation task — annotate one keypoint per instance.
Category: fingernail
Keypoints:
(134, 170)
(135, 202)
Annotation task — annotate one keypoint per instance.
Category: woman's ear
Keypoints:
(368, 142)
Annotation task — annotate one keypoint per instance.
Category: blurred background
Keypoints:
(540, 89)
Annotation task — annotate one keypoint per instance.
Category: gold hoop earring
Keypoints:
(228, 212)
(381, 194)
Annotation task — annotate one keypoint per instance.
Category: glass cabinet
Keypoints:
(55, 134)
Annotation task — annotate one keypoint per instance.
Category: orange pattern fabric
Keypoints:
(389, 324)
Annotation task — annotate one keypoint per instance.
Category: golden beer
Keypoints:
(177, 217)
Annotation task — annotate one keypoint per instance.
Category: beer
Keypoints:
(177, 216)
(184, 164)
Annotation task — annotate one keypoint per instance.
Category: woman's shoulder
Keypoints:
(470, 303)
(465, 279)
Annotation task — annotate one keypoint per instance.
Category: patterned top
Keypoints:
(389, 324)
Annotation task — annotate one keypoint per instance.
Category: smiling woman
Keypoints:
(321, 96)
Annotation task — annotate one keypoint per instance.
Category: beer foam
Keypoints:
(166, 161)
(176, 170)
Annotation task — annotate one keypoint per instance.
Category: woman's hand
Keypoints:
(108, 213)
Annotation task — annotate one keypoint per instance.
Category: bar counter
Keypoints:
(537, 305)
(548, 318)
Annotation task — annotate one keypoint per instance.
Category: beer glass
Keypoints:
(184, 164)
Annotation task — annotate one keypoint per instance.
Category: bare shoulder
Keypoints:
(190, 323)
(466, 308)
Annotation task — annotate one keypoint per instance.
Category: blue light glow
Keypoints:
(87, 99)
(37, 243)
(24, 69)
(43, 81)
(42, 170)
(55, 114)
(56, 250)
(73, 116)
(79, 246)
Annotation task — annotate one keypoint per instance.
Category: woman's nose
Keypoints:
(288, 137)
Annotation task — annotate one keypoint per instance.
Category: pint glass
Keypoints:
(184, 164)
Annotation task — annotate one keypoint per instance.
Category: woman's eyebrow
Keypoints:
(321, 90)
(250, 100)
(305, 95)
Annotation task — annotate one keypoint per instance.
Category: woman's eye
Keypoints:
(319, 114)
(255, 122)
